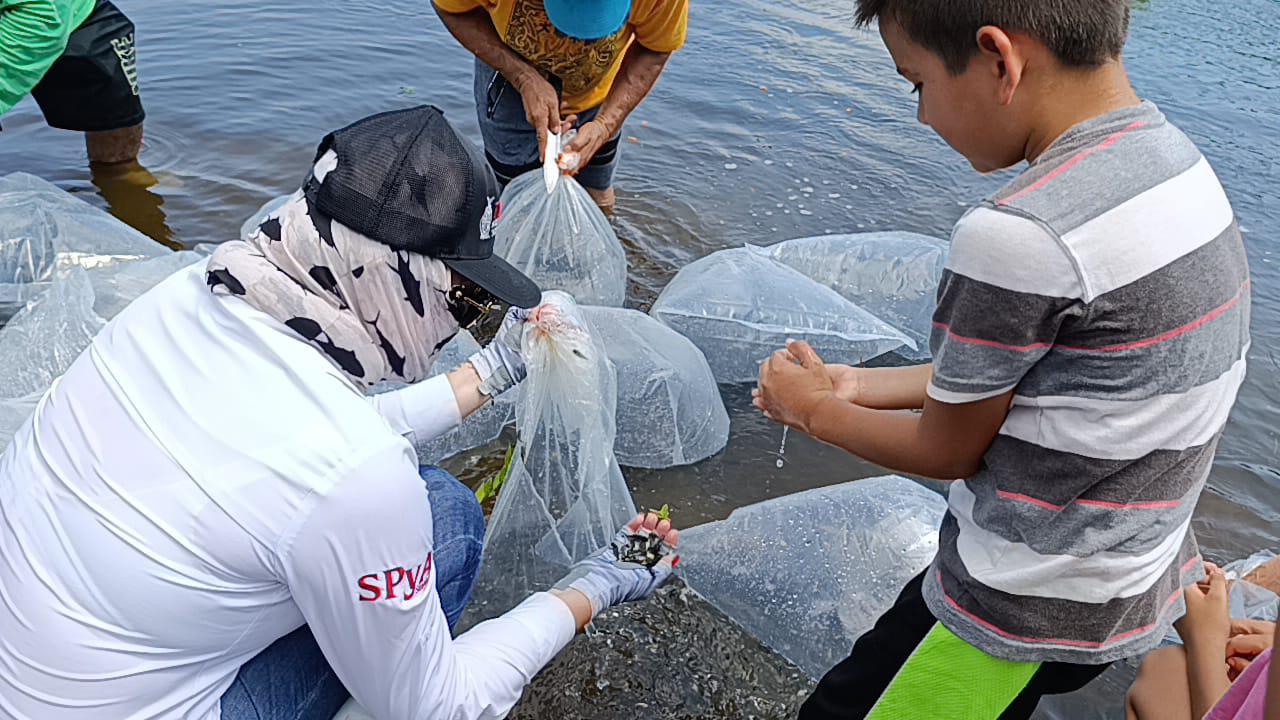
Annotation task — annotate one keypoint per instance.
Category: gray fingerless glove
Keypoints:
(500, 364)
(607, 579)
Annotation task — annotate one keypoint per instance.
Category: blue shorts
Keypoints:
(511, 143)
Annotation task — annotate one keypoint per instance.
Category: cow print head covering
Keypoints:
(377, 313)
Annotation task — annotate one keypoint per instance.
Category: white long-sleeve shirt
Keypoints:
(202, 482)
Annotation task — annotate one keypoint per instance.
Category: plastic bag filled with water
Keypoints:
(564, 496)
(808, 573)
(739, 306)
(561, 240)
(43, 228)
(669, 406)
(892, 275)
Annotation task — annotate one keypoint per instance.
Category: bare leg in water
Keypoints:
(114, 146)
(605, 199)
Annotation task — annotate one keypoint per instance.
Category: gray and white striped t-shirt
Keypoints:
(1107, 286)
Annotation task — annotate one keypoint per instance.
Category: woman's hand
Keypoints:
(793, 382)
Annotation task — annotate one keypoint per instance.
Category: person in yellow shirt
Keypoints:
(549, 65)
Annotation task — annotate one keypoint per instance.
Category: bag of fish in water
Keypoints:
(892, 275)
(564, 496)
(44, 228)
(808, 573)
(561, 240)
(669, 406)
(739, 306)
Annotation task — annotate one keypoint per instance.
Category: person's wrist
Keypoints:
(857, 381)
(608, 125)
(522, 77)
(579, 604)
(810, 413)
(1206, 640)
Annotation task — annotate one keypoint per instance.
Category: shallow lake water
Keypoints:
(778, 120)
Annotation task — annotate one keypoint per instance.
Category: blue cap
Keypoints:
(588, 19)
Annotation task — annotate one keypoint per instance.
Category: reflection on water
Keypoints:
(127, 189)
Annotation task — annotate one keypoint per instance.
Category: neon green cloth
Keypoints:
(946, 677)
(33, 34)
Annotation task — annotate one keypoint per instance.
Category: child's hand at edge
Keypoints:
(793, 382)
(1247, 640)
(1207, 623)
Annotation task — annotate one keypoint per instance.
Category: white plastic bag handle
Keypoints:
(550, 168)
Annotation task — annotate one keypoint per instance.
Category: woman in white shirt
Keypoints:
(207, 518)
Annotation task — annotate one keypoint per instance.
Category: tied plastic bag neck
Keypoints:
(561, 240)
(564, 496)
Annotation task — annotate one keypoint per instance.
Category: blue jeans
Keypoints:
(511, 143)
(291, 680)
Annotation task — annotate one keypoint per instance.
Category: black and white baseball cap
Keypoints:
(407, 179)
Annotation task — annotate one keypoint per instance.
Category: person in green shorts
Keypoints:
(77, 59)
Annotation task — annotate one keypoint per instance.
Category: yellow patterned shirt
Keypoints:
(587, 68)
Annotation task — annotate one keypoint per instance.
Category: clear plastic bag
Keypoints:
(739, 306)
(13, 413)
(46, 336)
(892, 275)
(564, 496)
(808, 573)
(44, 229)
(562, 240)
(669, 406)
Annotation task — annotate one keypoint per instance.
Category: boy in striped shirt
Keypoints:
(1088, 344)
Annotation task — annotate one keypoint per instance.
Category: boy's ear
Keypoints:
(1003, 59)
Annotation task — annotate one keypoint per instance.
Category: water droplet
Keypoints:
(808, 212)
(779, 463)
(731, 166)
(768, 162)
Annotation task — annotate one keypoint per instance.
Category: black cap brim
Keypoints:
(500, 279)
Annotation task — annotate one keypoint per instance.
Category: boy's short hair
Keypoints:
(1081, 33)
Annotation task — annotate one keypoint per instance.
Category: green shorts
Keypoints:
(94, 85)
(910, 666)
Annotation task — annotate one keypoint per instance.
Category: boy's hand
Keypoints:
(1207, 623)
(793, 382)
(846, 382)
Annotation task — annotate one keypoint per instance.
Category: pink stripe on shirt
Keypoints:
(1111, 140)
